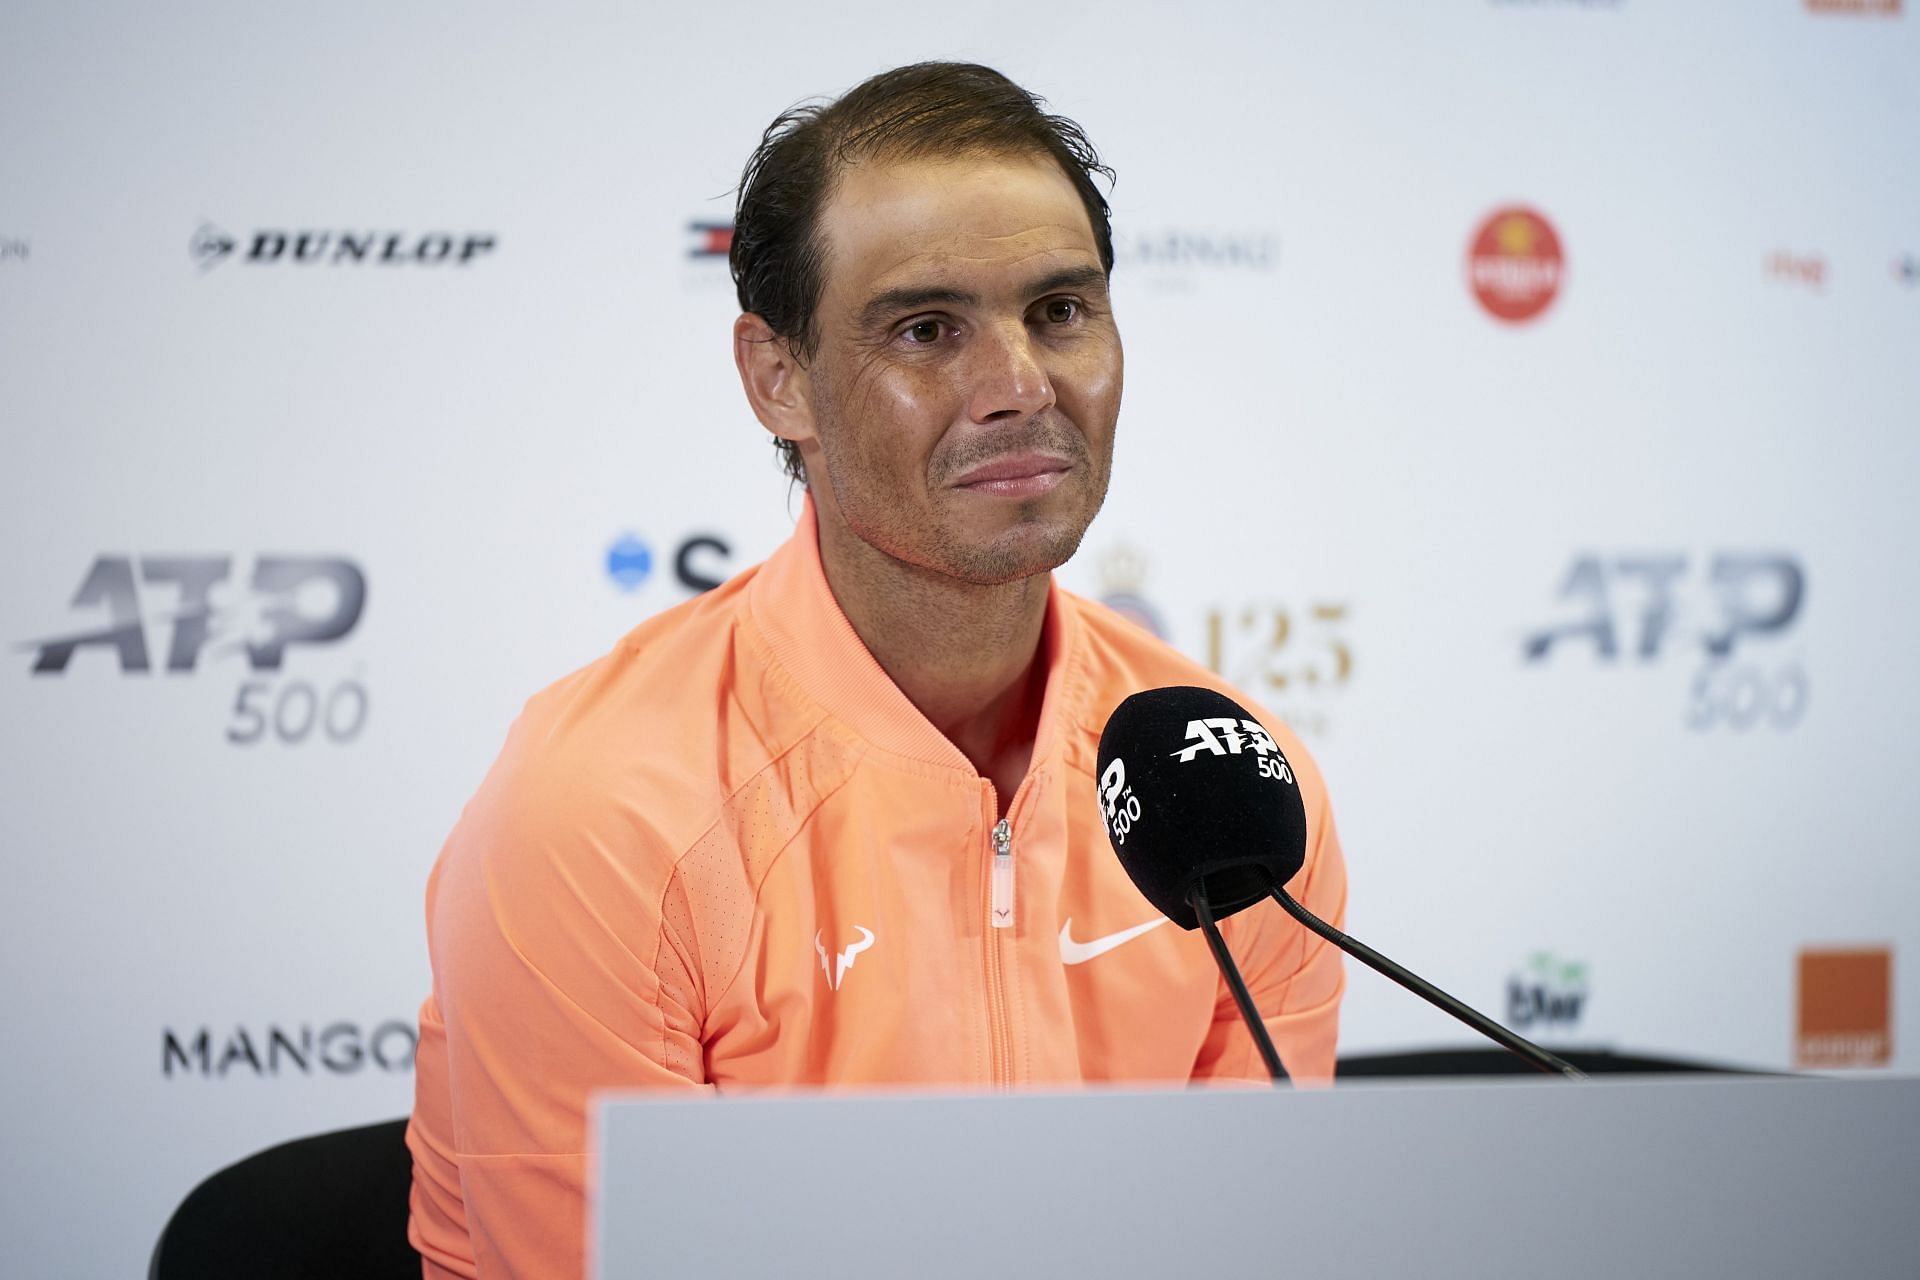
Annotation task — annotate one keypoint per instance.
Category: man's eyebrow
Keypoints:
(1083, 279)
(882, 306)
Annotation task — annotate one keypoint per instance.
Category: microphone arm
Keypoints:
(1197, 899)
(1527, 1050)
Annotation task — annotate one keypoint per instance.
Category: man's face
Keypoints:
(968, 372)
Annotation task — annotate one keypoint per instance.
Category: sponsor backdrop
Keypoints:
(1521, 402)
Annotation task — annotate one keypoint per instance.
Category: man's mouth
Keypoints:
(1016, 475)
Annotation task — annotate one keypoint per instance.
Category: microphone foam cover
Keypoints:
(1192, 787)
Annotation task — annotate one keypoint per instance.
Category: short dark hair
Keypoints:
(927, 110)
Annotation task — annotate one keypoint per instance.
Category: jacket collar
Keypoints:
(793, 606)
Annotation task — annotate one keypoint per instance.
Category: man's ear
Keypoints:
(776, 383)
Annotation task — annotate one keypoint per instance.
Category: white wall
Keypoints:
(1322, 424)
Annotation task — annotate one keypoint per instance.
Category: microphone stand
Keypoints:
(1197, 899)
(1528, 1051)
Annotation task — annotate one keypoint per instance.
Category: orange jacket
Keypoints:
(732, 854)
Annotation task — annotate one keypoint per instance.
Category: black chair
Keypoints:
(1498, 1062)
(327, 1207)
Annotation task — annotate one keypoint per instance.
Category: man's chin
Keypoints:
(1030, 548)
(983, 544)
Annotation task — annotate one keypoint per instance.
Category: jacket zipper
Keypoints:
(1003, 875)
(999, 918)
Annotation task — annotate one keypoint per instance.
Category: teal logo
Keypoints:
(1548, 993)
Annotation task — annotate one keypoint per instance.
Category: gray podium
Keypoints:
(1695, 1177)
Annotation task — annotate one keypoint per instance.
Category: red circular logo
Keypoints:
(1515, 264)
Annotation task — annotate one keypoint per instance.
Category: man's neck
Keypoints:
(968, 657)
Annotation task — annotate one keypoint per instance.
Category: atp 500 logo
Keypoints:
(195, 607)
(1117, 801)
(1225, 736)
(1638, 608)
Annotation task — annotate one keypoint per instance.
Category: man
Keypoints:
(834, 823)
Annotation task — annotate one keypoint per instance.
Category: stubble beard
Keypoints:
(1033, 543)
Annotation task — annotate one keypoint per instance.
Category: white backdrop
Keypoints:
(1341, 478)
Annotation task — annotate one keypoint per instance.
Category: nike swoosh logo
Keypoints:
(1072, 952)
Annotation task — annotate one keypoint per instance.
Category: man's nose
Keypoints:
(1008, 375)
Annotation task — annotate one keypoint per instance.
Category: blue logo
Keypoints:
(629, 562)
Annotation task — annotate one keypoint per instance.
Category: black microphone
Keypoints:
(1193, 858)
(1204, 813)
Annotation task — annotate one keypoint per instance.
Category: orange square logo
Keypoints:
(1846, 1008)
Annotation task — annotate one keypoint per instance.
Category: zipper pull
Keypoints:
(1003, 875)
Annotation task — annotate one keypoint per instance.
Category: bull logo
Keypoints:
(836, 968)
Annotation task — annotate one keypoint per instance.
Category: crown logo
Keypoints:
(1123, 570)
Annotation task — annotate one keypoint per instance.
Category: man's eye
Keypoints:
(1062, 310)
(923, 331)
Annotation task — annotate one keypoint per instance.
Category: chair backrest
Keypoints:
(317, 1208)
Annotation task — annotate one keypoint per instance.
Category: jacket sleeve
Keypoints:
(556, 972)
(1295, 977)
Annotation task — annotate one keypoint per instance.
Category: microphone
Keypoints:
(1204, 812)
(1160, 809)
